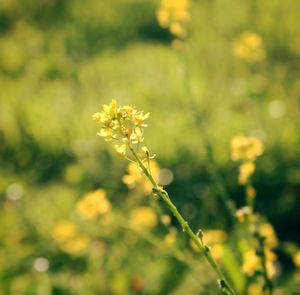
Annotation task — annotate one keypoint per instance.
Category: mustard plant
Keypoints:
(259, 259)
(125, 125)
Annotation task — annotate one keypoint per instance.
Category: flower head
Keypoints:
(245, 148)
(67, 237)
(249, 46)
(174, 14)
(143, 217)
(135, 178)
(124, 124)
(93, 204)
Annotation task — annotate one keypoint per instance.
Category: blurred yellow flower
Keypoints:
(93, 204)
(165, 219)
(75, 245)
(251, 262)
(245, 148)
(217, 251)
(214, 236)
(120, 149)
(64, 230)
(135, 178)
(66, 235)
(143, 217)
(296, 259)
(255, 289)
(170, 238)
(249, 46)
(174, 14)
(214, 239)
(242, 213)
(267, 230)
(246, 170)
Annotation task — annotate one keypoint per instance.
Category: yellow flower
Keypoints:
(170, 238)
(174, 14)
(251, 262)
(137, 135)
(125, 124)
(242, 213)
(255, 289)
(214, 239)
(267, 230)
(246, 170)
(93, 204)
(135, 176)
(217, 251)
(64, 230)
(245, 148)
(120, 149)
(66, 235)
(75, 245)
(143, 217)
(177, 29)
(249, 46)
(214, 236)
(165, 219)
(296, 258)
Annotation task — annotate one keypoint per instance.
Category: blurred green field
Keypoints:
(61, 60)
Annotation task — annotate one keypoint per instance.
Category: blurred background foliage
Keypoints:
(60, 61)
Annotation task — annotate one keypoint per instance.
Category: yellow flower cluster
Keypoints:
(67, 237)
(144, 217)
(253, 262)
(174, 14)
(246, 149)
(249, 46)
(93, 204)
(134, 178)
(124, 124)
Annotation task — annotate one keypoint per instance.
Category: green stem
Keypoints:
(223, 283)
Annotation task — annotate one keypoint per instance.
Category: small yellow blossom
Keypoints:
(249, 46)
(296, 259)
(214, 239)
(251, 262)
(75, 245)
(214, 236)
(64, 230)
(242, 213)
(267, 231)
(255, 289)
(120, 149)
(174, 14)
(217, 251)
(93, 204)
(245, 148)
(124, 124)
(143, 217)
(67, 237)
(135, 176)
(166, 219)
(246, 170)
(170, 238)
